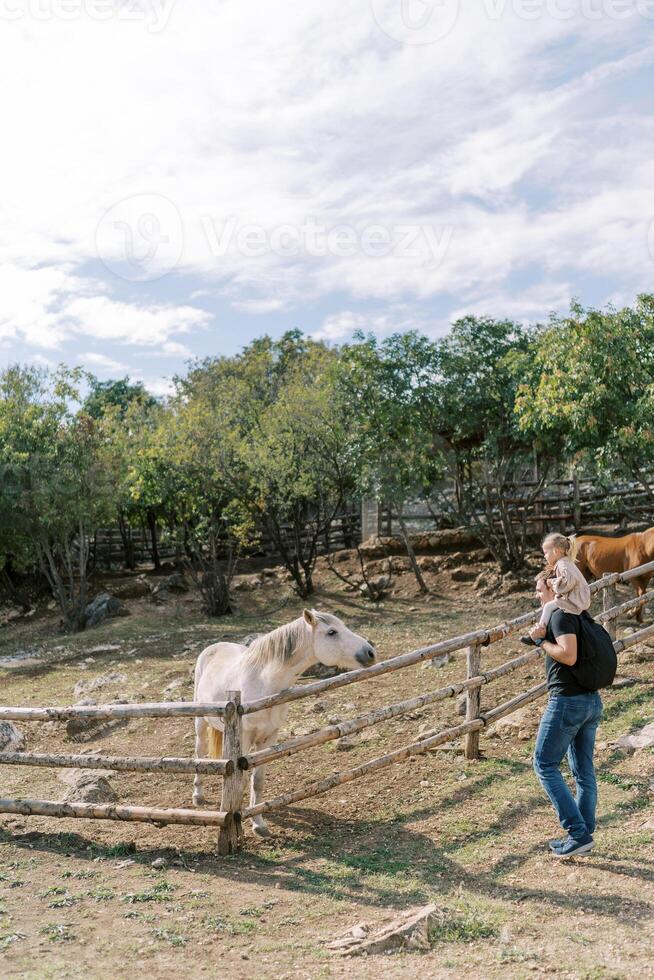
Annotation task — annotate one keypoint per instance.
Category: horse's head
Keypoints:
(334, 644)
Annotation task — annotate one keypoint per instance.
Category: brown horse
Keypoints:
(596, 555)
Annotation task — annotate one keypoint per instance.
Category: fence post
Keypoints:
(473, 700)
(369, 518)
(609, 599)
(576, 500)
(229, 838)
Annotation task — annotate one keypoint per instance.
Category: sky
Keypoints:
(177, 179)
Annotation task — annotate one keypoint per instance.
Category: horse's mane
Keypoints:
(281, 643)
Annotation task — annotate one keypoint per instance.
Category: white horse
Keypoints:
(271, 663)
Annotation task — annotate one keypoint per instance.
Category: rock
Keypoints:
(247, 583)
(437, 542)
(462, 575)
(408, 932)
(159, 863)
(334, 720)
(103, 680)
(438, 661)
(624, 681)
(644, 739)
(104, 606)
(173, 688)
(346, 743)
(318, 707)
(523, 723)
(461, 705)
(132, 588)
(648, 825)
(88, 786)
(172, 583)
(11, 738)
(9, 616)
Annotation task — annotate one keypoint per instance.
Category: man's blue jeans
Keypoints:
(569, 725)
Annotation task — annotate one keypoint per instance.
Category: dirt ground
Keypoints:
(82, 898)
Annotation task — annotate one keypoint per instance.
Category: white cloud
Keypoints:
(527, 138)
(102, 362)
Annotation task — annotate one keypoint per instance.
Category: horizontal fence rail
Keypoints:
(119, 763)
(110, 811)
(165, 709)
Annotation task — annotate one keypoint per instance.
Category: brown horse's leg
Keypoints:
(640, 585)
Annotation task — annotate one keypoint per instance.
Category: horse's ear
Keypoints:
(309, 618)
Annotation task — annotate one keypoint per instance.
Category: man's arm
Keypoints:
(564, 650)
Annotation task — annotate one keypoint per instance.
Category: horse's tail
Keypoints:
(215, 743)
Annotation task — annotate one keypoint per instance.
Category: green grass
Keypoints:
(57, 932)
(170, 936)
(462, 926)
(161, 892)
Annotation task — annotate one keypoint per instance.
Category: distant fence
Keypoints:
(565, 504)
(235, 765)
(108, 550)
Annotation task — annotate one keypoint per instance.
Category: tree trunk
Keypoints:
(152, 526)
(411, 553)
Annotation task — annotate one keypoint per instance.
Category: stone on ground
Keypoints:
(87, 786)
(643, 739)
(522, 724)
(103, 607)
(11, 738)
(85, 687)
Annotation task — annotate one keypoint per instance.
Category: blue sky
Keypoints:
(177, 182)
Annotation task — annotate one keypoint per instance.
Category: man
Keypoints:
(568, 725)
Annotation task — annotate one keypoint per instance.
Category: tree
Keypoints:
(53, 483)
(484, 454)
(591, 386)
(379, 388)
(120, 394)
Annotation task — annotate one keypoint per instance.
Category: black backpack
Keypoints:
(597, 662)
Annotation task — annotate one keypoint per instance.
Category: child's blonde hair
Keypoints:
(568, 546)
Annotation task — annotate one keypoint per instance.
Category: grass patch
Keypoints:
(57, 932)
(462, 926)
(161, 892)
(170, 936)
(229, 925)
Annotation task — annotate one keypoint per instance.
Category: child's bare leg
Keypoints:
(546, 612)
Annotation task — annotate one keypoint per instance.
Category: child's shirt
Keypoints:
(570, 587)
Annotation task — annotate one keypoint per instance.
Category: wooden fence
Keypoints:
(107, 549)
(565, 504)
(234, 766)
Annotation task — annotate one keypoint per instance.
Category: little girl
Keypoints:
(570, 588)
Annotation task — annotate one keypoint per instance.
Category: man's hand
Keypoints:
(538, 632)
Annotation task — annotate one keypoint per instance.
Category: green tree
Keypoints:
(53, 483)
(590, 386)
